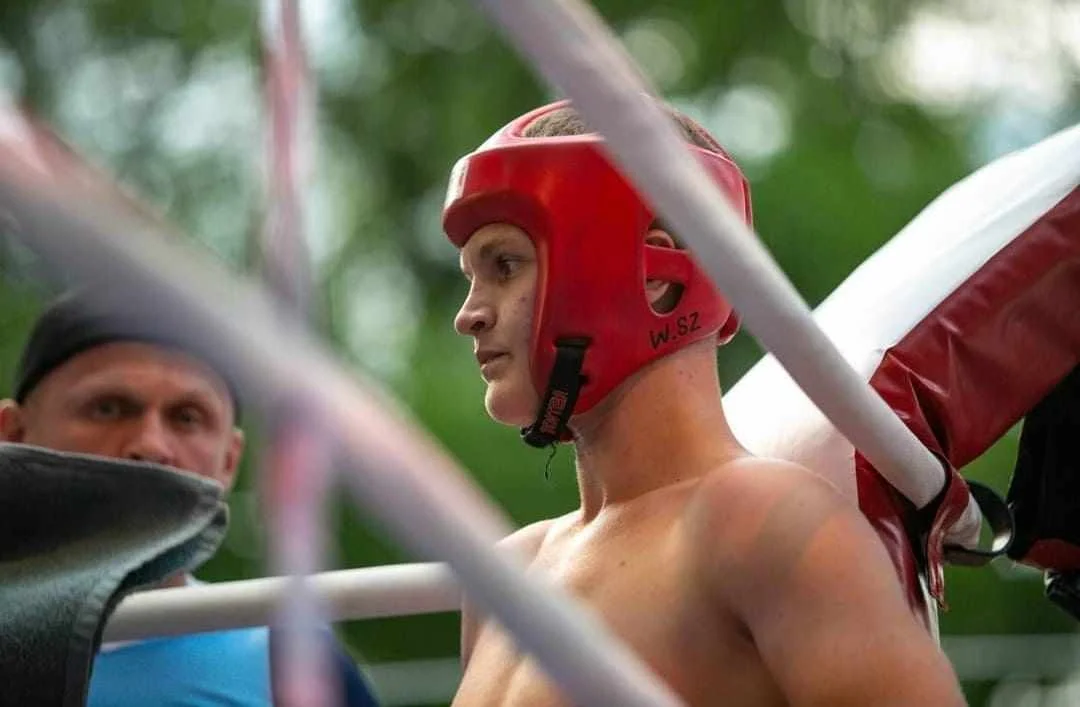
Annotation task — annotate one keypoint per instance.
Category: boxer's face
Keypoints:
(499, 261)
(132, 401)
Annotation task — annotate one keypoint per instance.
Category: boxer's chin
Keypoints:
(511, 398)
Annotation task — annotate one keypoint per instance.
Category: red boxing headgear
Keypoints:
(593, 325)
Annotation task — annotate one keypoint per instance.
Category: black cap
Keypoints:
(76, 322)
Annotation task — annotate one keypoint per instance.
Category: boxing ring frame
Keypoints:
(397, 474)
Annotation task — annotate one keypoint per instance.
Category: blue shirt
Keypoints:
(226, 668)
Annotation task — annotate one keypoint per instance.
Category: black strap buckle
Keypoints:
(561, 395)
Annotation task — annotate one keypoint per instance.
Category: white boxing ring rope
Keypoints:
(399, 477)
(366, 593)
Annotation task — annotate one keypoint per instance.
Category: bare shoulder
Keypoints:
(798, 565)
(754, 489)
(755, 515)
(525, 542)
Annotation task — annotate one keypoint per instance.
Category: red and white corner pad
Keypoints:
(961, 322)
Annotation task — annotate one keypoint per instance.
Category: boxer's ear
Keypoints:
(663, 296)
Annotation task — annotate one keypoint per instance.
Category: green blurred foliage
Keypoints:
(841, 154)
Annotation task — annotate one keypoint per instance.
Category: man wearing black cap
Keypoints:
(94, 384)
(85, 385)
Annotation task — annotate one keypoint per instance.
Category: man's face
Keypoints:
(499, 260)
(132, 401)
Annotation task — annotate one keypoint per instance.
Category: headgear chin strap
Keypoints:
(593, 324)
(561, 396)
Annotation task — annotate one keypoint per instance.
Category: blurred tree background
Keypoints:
(848, 116)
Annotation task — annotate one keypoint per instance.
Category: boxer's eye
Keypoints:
(506, 266)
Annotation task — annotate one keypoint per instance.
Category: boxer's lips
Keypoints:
(490, 360)
(483, 356)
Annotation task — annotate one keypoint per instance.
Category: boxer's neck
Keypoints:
(663, 426)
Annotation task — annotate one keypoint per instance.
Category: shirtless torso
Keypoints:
(636, 567)
(684, 574)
